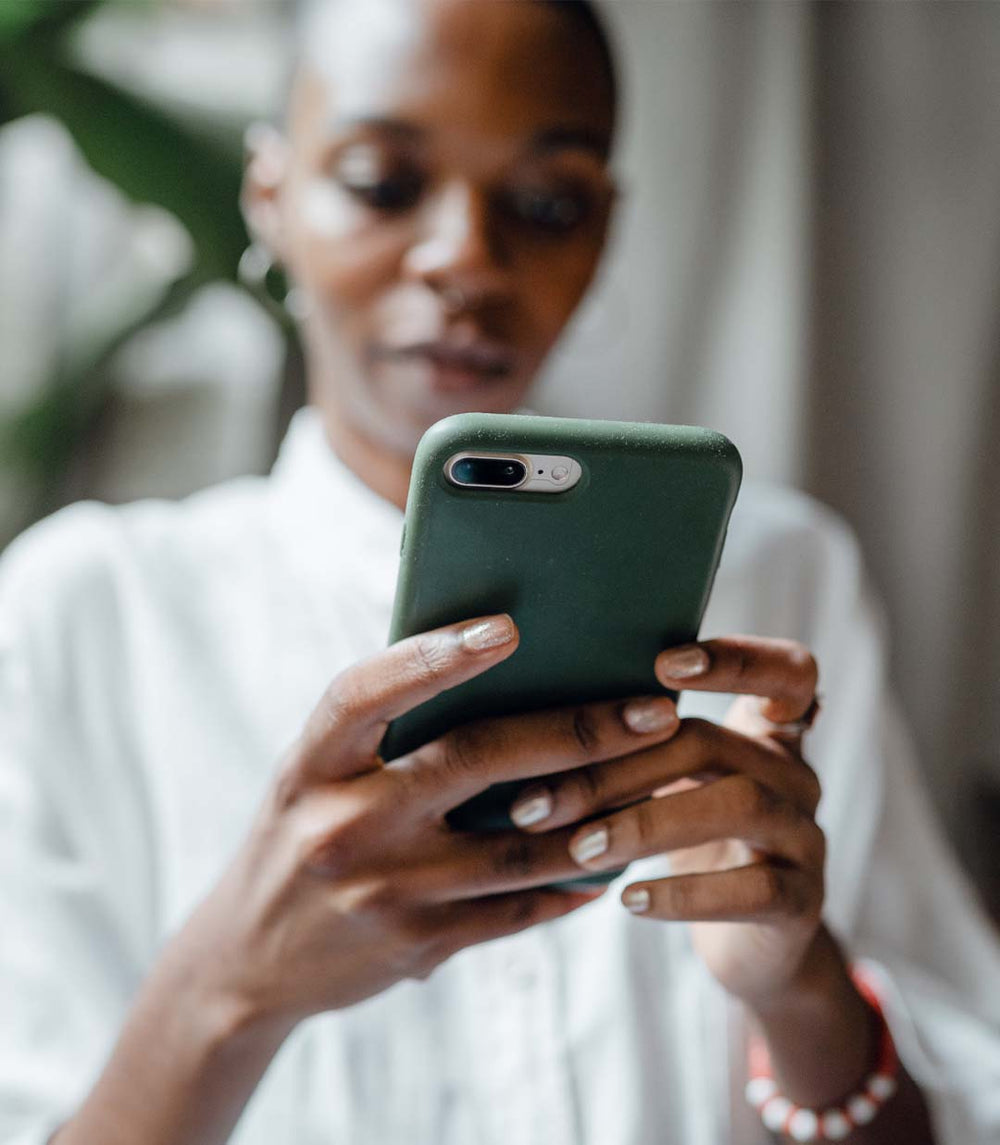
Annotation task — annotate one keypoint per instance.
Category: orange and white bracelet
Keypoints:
(781, 1115)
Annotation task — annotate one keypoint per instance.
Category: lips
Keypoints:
(474, 361)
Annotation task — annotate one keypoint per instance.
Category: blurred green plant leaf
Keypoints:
(18, 16)
(150, 157)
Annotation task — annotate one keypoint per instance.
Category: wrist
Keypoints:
(820, 1033)
(854, 1110)
(821, 980)
(208, 1013)
(186, 1061)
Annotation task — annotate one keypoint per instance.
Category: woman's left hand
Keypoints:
(734, 807)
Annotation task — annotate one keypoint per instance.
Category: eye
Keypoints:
(379, 182)
(548, 209)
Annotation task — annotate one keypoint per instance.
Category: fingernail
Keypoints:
(594, 892)
(650, 715)
(488, 633)
(683, 663)
(589, 846)
(636, 899)
(532, 806)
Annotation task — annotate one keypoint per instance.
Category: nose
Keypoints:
(458, 252)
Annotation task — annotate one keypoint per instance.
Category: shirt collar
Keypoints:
(325, 512)
(329, 520)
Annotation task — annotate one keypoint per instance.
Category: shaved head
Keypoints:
(318, 43)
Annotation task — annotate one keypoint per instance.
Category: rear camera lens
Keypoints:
(496, 471)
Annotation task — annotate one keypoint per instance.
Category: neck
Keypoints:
(385, 473)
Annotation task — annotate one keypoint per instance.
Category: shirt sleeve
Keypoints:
(74, 880)
(895, 893)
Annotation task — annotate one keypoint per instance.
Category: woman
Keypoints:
(217, 877)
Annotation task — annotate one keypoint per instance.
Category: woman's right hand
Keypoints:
(350, 878)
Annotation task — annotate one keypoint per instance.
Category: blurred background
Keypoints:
(807, 258)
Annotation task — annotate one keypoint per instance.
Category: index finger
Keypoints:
(342, 734)
(784, 672)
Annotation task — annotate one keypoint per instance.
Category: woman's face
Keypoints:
(441, 201)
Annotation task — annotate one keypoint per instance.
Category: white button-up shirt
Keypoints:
(155, 661)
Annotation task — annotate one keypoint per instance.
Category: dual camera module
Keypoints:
(526, 473)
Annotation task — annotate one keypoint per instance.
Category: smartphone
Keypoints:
(600, 538)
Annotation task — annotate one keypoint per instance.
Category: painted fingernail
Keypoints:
(650, 715)
(683, 663)
(488, 633)
(636, 899)
(589, 846)
(594, 892)
(532, 806)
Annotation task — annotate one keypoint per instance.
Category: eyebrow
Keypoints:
(576, 138)
(542, 142)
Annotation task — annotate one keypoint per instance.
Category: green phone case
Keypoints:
(598, 578)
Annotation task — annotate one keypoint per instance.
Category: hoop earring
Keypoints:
(259, 272)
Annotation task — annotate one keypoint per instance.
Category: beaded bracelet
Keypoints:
(833, 1124)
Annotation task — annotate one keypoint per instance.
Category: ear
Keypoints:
(263, 181)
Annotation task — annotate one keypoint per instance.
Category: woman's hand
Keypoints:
(733, 805)
(351, 880)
